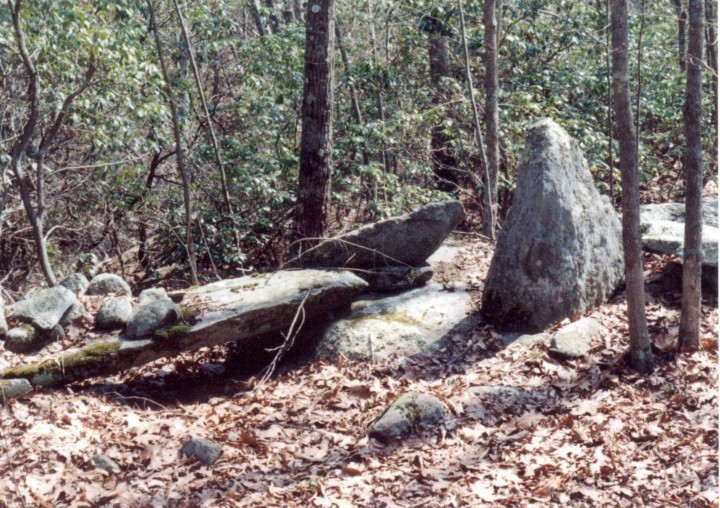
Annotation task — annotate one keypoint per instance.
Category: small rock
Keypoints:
(145, 319)
(76, 282)
(396, 278)
(407, 412)
(107, 283)
(206, 452)
(74, 313)
(45, 308)
(27, 339)
(525, 339)
(3, 323)
(213, 369)
(152, 295)
(105, 463)
(12, 388)
(113, 313)
(21, 339)
(575, 339)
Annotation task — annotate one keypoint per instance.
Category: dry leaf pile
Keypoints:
(580, 433)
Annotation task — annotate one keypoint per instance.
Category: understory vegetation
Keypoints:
(109, 182)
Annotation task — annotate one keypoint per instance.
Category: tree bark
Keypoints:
(690, 314)
(711, 44)
(179, 154)
(255, 13)
(476, 116)
(317, 109)
(491, 115)
(639, 354)
(682, 29)
(355, 102)
(444, 164)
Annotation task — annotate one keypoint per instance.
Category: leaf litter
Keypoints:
(585, 432)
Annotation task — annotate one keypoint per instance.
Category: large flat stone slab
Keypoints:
(404, 240)
(408, 323)
(240, 309)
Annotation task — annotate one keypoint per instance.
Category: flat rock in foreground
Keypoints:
(559, 252)
(407, 324)
(230, 310)
(404, 240)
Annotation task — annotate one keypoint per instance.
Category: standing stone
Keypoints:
(560, 249)
(107, 283)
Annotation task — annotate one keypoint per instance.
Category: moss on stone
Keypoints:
(243, 287)
(87, 356)
(173, 332)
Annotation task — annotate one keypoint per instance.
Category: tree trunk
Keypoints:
(690, 314)
(639, 354)
(444, 164)
(316, 139)
(713, 63)
(491, 115)
(476, 117)
(179, 154)
(356, 113)
(682, 29)
(255, 12)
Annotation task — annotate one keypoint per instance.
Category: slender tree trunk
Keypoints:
(491, 115)
(611, 172)
(274, 21)
(355, 102)
(255, 13)
(316, 139)
(713, 63)
(476, 117)
(179, 154)
(17, 153)
(444, 164)
(297, 9)
(639, 355)
(682, 29)
(692, 256)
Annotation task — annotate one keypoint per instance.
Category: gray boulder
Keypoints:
(152, 316)
(113, 313)
(576, 339)
(20, 339)
(408, 323)
(45, 308)
(152, 295)
(663, 230)
(105, 463)
(405, 240)
(106, 284)
(12, 388)
(559, 252)
(406, 414)
(76, 282)
(204, 451)
(396, 278)
(73, 314)
(3, 322)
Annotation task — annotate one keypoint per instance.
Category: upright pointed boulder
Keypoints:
(559, 252)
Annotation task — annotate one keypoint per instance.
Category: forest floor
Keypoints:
(590, 432)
